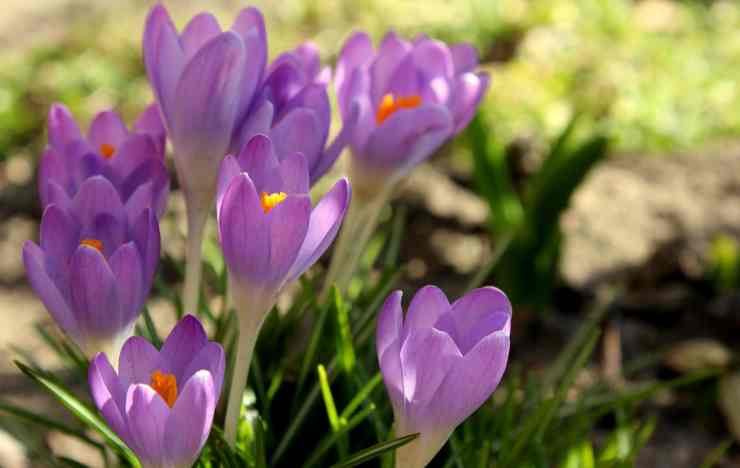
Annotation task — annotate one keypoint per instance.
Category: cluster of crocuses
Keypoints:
(250, 140)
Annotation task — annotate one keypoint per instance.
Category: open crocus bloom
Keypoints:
(269, 233)
(204, 84)
(94, 266)
(411, 97)
(161, 403)
(133, 161)
(440, 363)
(292, 107)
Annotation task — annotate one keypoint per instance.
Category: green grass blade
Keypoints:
(375, 451)
(330, 440)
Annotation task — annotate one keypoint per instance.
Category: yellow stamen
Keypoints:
(96, 244)
(166, 386)
(390, 104)
(107, 150)
(271, 200)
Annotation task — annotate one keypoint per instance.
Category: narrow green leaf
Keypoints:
(362, 396)
(313, 347)
(153, 336)
(715, 456)
(375, 451)
(82, 411)
(331, 408)
(332, 438)
(259, 444)
(345, 346)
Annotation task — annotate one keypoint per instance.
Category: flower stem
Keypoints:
(197, 214)
(357, 229)
(251, 312)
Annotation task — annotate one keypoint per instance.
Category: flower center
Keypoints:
(166, 386)
(390, 104)
(96, 244)
(271, 200)
(107, 150)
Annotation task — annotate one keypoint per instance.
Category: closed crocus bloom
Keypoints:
(407, 98)
(133, 161)
(204, 80)
(292, 107)
(440, 363)
(161, 402)
(94, 266)
(270, 235)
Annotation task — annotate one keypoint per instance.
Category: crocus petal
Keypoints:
(229, 170)
(343, 138)
(46, 289)
(257, 121)
(182, 345)
(56, 195)
(300, 131)
(357, 51)
(481, 370)
(136, 163)
(96, 197)
(392, 53)
(52, 168)
(199, 30)
(107, 128)
(464, 57)
(478, 314)
(433, 59)
(95, 298)
(250, 26)
(406, 80)
(150, 123)
(258, 159)
(62, 127)
(308, 54)
(145, 233)
(206, 105)
(59, 234)
(138, 360)
(323, 226)
(108, 394)
(427, 355)
(211, 358)
(243, 230)
(190, 420)
(469, 90)
(408, 137)
(390, 322)
(126, 265)
(287, 224)
(163, 57)
(428, 304)
(147, 415)
(139, 201)
(294, 173)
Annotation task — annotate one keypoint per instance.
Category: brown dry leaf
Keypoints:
(698, 354)
(729, 402)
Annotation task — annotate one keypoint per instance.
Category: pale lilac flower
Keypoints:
(161, 402)
(440, 363)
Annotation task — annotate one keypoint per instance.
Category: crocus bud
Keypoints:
(440, 363)
(204, 80)
(269, 236)
(161, 402)
(133, 161)
(204, 86)
(411, 97)
(94, 266)
(292, 108)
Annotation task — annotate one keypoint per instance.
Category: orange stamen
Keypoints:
(94, 243)
(107, 150)
(166, 386)
(271, 200)
(390, 105)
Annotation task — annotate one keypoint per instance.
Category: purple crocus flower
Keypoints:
(269, 235)
(161, 403)
(440, 363)
(95, 265)
(292, 107)
(132, 160)
(411, 97)
(204, 80)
